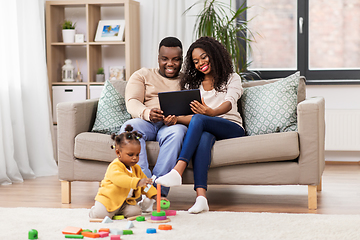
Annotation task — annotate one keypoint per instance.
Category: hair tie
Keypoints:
(137, 137)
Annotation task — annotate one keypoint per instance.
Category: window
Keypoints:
(319, 38)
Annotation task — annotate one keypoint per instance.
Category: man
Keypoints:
(142, 103)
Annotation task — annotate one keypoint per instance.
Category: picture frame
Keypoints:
(110, 30)
(116, 73)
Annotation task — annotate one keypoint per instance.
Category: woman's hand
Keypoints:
(170, 120)
(202, 108)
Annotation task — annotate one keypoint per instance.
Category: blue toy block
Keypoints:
(129, 225)
(107, 220)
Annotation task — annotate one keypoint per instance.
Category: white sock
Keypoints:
(201, 204)
(173, 178)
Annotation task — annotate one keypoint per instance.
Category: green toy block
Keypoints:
(140, 218)
(33, 234)
(74, 236)
(164, 204)
(127, 232)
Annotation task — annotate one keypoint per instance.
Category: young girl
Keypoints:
(124, 182)
(207, 67)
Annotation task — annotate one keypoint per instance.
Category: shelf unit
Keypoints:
(93, 51)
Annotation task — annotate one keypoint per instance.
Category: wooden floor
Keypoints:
(340, 195)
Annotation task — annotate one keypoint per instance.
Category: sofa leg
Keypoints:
(65, 192)
(312, 197)
(319, 187)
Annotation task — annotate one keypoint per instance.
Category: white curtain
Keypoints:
(163, 18)
(26, 149)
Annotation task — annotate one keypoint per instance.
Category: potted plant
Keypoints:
(68, 31)
(100, 76)
(217, 19)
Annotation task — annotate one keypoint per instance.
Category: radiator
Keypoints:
(342, 130)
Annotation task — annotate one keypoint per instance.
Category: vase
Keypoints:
(68, 35)
(100, 77)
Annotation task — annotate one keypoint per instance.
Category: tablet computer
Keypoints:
(178, 102)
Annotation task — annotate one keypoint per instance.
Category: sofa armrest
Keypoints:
(73, 118)
(311, 128)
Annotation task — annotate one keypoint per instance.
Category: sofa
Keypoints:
(281, 158)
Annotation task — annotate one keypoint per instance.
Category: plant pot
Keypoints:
(100, 77)
(68, 35)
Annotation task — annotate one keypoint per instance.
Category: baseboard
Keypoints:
(341, 163)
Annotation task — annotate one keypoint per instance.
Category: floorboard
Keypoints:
(340, 195)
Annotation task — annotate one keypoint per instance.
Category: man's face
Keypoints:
(170, 61)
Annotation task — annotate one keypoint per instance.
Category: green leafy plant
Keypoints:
(100, 71)
(67, 24)
(217, 19)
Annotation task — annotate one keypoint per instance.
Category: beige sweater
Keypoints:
(142, 90)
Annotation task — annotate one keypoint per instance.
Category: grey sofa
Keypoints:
(287, 158)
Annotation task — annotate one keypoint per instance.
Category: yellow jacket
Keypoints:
(117, 183)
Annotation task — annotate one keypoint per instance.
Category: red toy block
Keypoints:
(72, 230)
(103, 234)
(115, 237)
(104, 230)
(90, 235)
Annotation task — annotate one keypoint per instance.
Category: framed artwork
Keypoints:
(116, 73)
(110, 30)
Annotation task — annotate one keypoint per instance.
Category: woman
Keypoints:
(208, 67)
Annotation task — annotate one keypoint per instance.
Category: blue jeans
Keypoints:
(170, 140)
(199, 140)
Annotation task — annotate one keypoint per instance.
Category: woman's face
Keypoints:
(201, 60)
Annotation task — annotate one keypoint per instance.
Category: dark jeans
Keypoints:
(199, 140)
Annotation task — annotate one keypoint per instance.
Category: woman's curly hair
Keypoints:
(220, 61)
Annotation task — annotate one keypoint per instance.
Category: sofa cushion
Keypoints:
(251, 149)
(301, 94)
(111, 112)
(272, 107)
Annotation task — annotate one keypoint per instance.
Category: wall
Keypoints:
(338, 97)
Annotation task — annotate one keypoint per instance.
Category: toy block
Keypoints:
(127, 232)
(129, 225)
(118, 217)
(149, 185)
(86, 230)
(90, 235)
(104, 230)
(33, 234)
(133, 218)
(115, 231)
(164, 204)
(74, 236)
(96, 220)
(170, 212)
(140, 219)
(107, 220)
(165, 227)
(103, 234)
(115, 237)
(95, 231)
(72, 230)
(150, 230)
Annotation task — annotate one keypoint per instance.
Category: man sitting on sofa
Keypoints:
(141, 96)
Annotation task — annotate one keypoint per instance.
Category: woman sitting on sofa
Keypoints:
(208, 67)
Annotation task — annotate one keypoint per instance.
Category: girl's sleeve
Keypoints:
(234, 89)
(121, 179)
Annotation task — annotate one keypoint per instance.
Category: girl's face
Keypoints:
(128, 154)
(201, 60)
